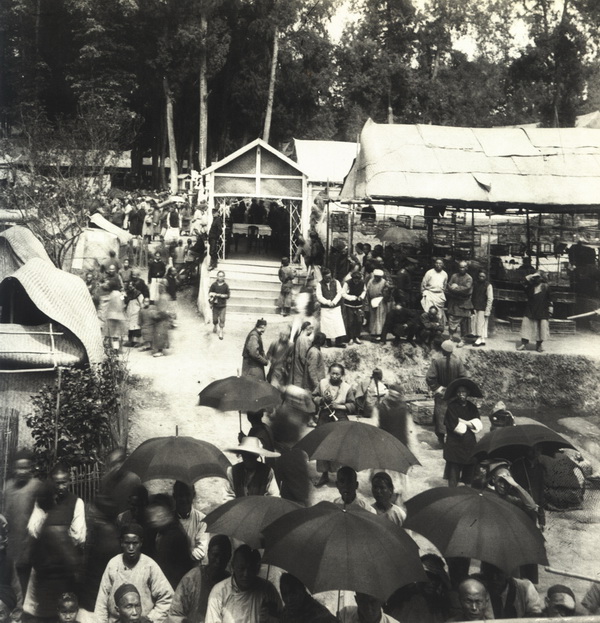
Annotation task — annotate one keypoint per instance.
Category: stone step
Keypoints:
(237, 298)
(254, 308)
(231, 276)
(254, 286)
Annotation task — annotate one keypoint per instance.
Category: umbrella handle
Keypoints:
(240, 419)
(339, 598)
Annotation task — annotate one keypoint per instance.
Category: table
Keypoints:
(242, 228)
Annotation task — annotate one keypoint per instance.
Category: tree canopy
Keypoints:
(450, 62)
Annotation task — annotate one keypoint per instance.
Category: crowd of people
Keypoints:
(129, 556)
(373, 293)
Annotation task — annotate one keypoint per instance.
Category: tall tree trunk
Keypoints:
(163, 151)
(271, 96)
(203, 133)
(171, 135)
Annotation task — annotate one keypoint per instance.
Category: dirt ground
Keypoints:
(165, 401)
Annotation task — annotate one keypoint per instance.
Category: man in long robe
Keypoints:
(329, 294)
(442, 371)
(253, 355)
(433, 288)
(460, 305)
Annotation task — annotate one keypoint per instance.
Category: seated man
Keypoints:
(367, 610)
(510, 597)
(430, 326)
(347, 484)
(474, 601)
(560, 602)
(244, 597)
(400, 322)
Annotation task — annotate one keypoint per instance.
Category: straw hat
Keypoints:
(254, 446)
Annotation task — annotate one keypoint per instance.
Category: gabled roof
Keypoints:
(540, 169)
(17, 246)
(325, 161)
(258, 142)
(63, 298)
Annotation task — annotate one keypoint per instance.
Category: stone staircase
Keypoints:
(254, 285)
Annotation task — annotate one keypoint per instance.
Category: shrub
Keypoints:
(92, 416)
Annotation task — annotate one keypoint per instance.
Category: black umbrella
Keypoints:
(512, 441)
(240, 393)
(468, 523)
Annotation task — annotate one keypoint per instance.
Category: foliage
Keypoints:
(60, 168)
(90, 420)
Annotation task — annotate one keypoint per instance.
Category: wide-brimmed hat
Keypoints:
(471, 386)
(254, 446)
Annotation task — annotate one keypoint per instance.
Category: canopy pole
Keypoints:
(57, 412)
(489, 245)
(538, 237)
(527, 232)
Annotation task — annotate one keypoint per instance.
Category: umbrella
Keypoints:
(465, 522)
(244, 518)
(513, 441)
(329, 548)
(240, 393)
(171, 199)
(360, 446)
(180, 458)
(398, 235)
(473, 388)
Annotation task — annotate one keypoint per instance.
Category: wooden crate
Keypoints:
(422, 411)
(562, 327)
(515, 323)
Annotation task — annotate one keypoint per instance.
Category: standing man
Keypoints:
(214, 236)
(442, 371)
(377, 292)
(459, 291)
(218, 293)
(253, 355)
(191, 519)
(539, 309)
(354, 294)
(191, 597)
(329, 294)
(433, 288)
(245, 597)
(156, 272)
(133, 567)
(483, 298)
(19, 499)
(286, 275)
(57, 524)
(334, 399)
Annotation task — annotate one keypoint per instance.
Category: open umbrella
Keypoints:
(360, 446)
(329, 548)
(179, 458)
(510, 442)
(464, 522)
(244, 518)
(463, 381)
(240, 393)
(399, 235)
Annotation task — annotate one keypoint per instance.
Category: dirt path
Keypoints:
(166, 400)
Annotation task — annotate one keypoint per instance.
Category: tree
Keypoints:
(59, 169)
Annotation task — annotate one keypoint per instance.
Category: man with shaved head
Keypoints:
(474, 601)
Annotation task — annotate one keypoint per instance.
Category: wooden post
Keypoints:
(57, 413)
(271, 93)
